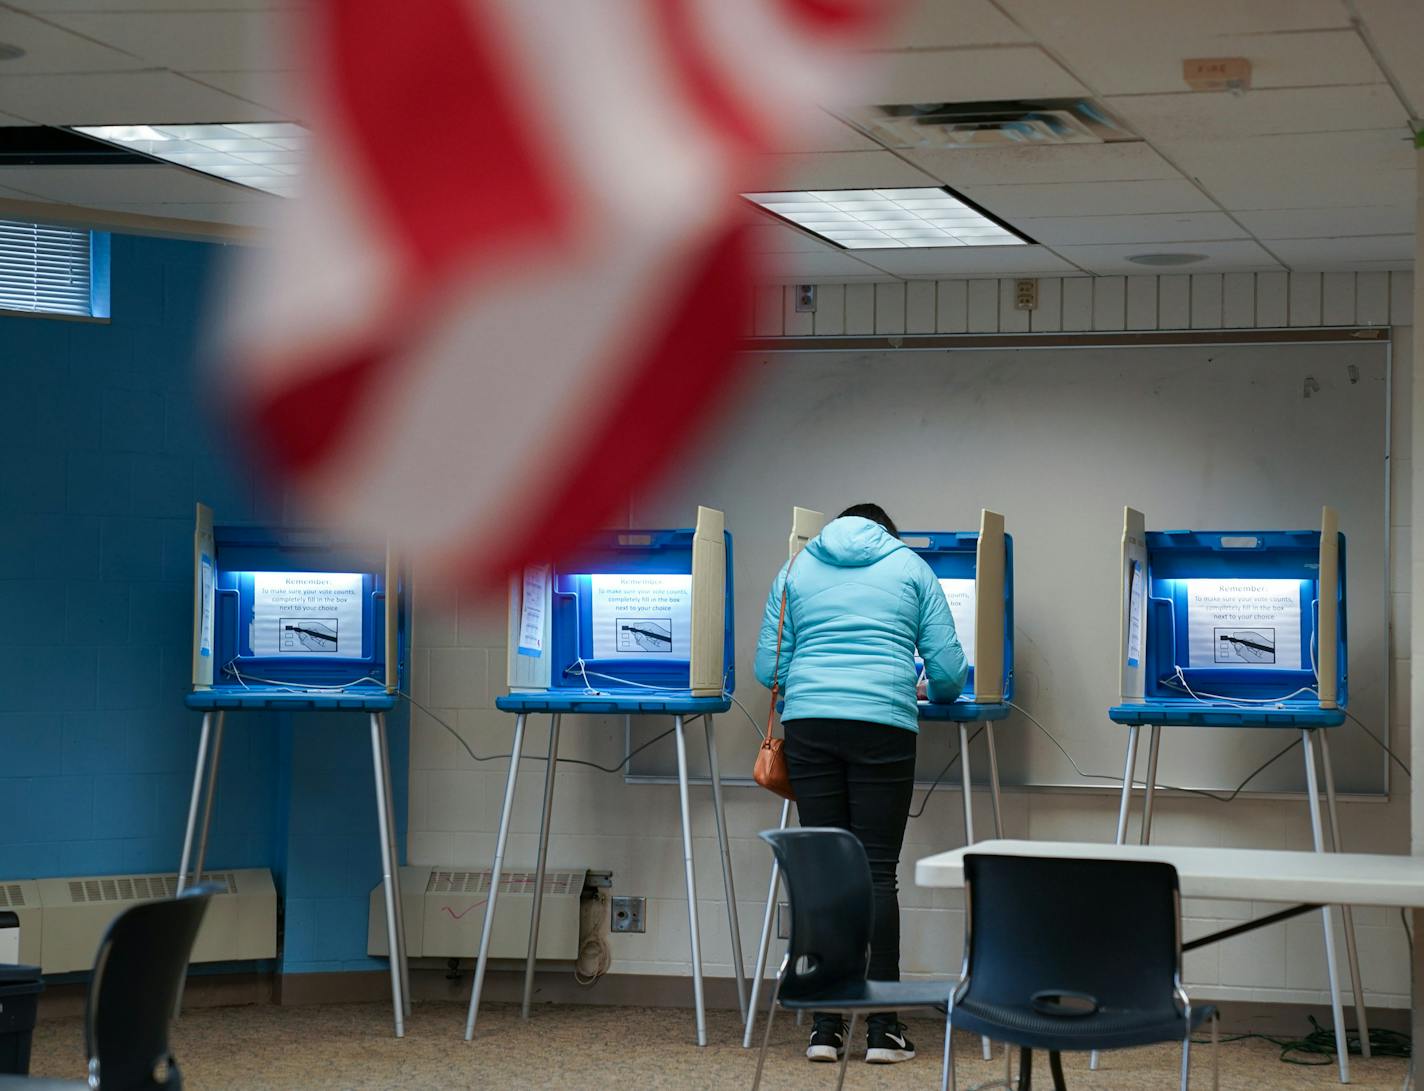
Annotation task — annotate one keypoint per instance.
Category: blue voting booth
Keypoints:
(293, 620)
(635, 623)
(976, 572)
(1238, 629)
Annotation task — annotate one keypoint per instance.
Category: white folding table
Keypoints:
(1309, 880)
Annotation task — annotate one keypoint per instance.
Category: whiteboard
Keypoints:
(1201, 437)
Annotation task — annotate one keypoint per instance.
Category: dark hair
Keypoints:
(875, 513)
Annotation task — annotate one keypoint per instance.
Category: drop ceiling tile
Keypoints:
(87, 6)
(272, 89)
(827, 265)
(1259, 112)
(1329, 253)
(842, 170)
(1301, 170)
(51, 49)
(1397, 27)
(1129, 161)
(1156, 227)
(1138, 48)
(775, 238)
(830, 134)
(18, 195)
(105, 186)
(184, 40)
(946, 23)
(967, 261)
(1235, 255)
(123, 98)
(1090, 198)
(236, 213)
(1314, 223)
(973, 75)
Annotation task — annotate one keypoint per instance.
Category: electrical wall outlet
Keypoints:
(805, 298)
(628, 913)
(1026, 295)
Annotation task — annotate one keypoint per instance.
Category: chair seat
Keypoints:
(876, 996)
(38, 1083)
(1106, 1029)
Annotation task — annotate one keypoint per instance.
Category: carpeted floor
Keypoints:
(576, 1046)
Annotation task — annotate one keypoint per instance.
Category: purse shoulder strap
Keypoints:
(780, 626)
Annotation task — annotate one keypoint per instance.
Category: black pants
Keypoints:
(859, 777)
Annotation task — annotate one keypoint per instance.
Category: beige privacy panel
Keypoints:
(1133, 646)
(1327, 671)
(204, 597)
(989, 609)
(709, 604)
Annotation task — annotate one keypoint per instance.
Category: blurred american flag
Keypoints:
(512, 284)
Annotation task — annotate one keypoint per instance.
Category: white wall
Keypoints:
(633, 829)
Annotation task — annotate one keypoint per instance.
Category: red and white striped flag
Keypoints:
(514, 278)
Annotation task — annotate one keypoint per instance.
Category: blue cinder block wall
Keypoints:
(105, 449)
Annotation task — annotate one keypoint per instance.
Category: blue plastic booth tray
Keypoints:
(231, 698)
(963, 712)
(615, 700)
(1185, 712)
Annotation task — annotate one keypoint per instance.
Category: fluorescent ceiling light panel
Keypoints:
(867, 219)
(263, 155)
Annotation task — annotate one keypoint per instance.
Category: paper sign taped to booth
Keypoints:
(1244, 624)
(642, 616)
(306, 614)
(960, 594)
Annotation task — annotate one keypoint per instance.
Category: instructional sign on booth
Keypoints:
(307, 613)
(960, 594)
(1244, 624)
(637, 616)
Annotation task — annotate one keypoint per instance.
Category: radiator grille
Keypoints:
(140, 888)
(510, 882)
(12, 895)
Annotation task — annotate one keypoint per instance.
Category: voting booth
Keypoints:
(1238, 629)
(634, 623)
(294, 620)
(976, 572)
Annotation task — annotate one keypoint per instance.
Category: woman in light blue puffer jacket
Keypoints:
(859, 604)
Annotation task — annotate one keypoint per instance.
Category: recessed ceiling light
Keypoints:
(1166, 259)
(262, 155)
(9, 51)
(868, 219)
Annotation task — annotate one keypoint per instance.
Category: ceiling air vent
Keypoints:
(992, 124)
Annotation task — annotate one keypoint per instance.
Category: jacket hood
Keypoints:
(852, 542)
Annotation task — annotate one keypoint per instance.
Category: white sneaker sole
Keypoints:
(824, 1053)
(888, 1056)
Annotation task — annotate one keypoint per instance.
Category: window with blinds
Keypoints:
(46, 269)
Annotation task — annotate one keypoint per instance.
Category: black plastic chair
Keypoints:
(132, 996)
(1072, 955)
(827, 881)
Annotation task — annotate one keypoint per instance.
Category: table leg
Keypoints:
(540, 864)
(1154, 746)
(1128, 771)
(764, 944)
(390, 879)
(724, 846)
(481, 963)
(693, 935)
(1336, 1011)
(994, 780)
(1352, 956)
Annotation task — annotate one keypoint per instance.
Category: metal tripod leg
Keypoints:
(200, 768)
(967, 781)
(1336, 1011)
(544, 820)
(482, 962)
(1154, 746)
(724, 847)
(1352, 956)
(390, 877)
(213, 762)
(1129, 769)
(994, 780)
(679, 733)
(395, 860)
(764, 944)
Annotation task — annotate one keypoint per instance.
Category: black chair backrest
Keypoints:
(1106, 929)
(137, 975)
(828, 884)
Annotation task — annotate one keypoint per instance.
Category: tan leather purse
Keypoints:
(771, 770)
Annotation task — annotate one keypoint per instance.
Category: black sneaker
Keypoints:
(887, 1044)
(828, 1041)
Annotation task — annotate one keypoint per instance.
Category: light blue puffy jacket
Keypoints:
(860, 603)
